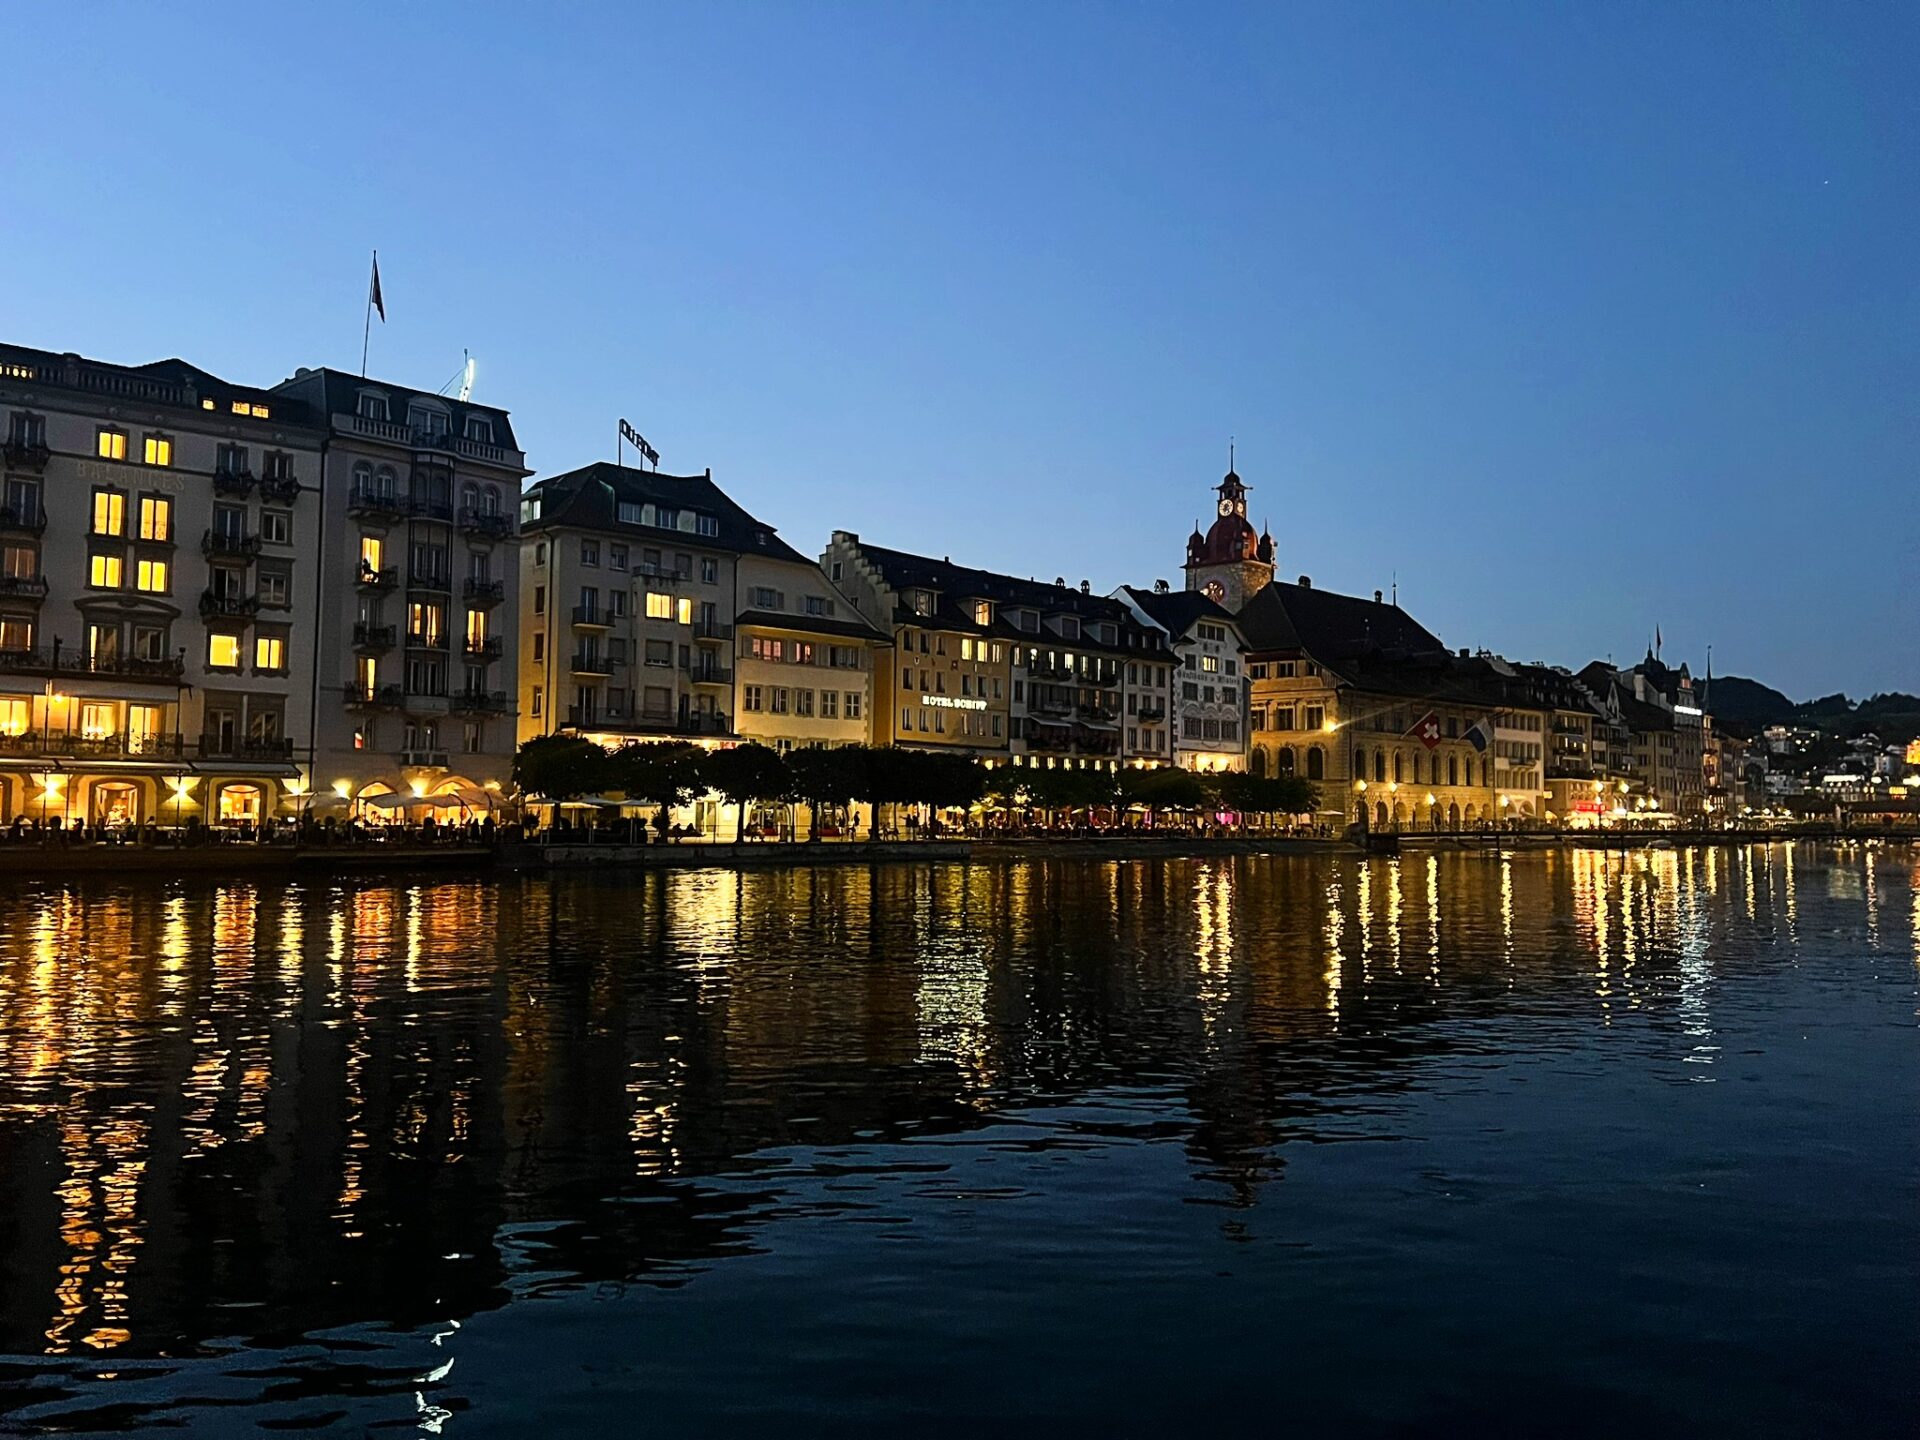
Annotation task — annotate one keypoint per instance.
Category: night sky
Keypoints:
(1576, 320)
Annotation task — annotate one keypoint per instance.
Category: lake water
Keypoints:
(1568, 1143)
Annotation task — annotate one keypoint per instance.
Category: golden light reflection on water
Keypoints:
(475, 1034)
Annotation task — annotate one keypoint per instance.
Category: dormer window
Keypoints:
(922, 603)
(427, 421)
(982, 612)
(371, 406)
(480, 428)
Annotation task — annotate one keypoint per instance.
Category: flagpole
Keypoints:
(366, 330)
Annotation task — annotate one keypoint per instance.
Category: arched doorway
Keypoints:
(240, 802)
(1283, 761)
(115, 804)
(1316, 763)
(1453, 816)
(1380, 814)
(1259, 763)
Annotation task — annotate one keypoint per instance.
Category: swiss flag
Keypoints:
(1427, 730)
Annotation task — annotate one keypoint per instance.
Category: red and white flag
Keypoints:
(1427, 730)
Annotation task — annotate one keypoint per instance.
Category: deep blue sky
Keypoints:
(1578, 319)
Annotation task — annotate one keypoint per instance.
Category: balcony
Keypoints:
(248, 748)
(23, 587)
(701, 672)
(483, 650)
(373, 637)
(368, 578)
(429, 580)
(281, 489)
(585, 663)
(24, 454)
(228, 607)
(22, 520)
(488, 525)
(482, 702)
(1151, 714)
(648, 722)
(422, 507)
(591, 617)
(216, 543)
(99, 747)
(424, 759)
(647, 570)
(372, 697)
(487, 592)
(166, 670)
(716, 630)
(375, 504)
(232, 482)
(1097, 715)
(424, 640)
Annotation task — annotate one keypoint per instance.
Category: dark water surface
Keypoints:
(1558, 1143)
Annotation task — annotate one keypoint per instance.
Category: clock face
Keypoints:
(1226, 506)
(1214, 591)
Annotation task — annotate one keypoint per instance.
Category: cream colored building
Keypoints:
(654, 606)
(160, 530)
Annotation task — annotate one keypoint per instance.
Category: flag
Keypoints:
(1656, 640)
(373, 293)
(1479, 736)
(1427, 730)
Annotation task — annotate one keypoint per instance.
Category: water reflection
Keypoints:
(228, 1110)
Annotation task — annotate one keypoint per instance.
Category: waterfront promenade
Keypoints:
(462, 850)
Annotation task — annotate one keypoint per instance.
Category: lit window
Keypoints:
(96, 720)
(260, 412)
(156, 517)
(269, 652)
(15, 716)
(476, 627)
(151, 576)
(104, 572)
(111, 444)
(109, 512)
(371, 551)
(240, 407)
(659, 606)
(223, 652)
(684, 612)
(159, 450)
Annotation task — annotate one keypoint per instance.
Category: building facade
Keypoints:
(1208, 696)
(159, 543)
(418, 558)
(654, 606)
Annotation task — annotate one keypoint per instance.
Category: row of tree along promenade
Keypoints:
(821, 793)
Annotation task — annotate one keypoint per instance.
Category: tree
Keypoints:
(664, 774)
(820, 776)
(1166, 788)
(560, 767)
(742, 773)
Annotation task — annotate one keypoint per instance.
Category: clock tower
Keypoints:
(1229, 564)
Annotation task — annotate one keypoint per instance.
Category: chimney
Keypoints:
(1086, 587)
(1059, 582)
(1306, 582)
(1376, 597)
(1160, 587)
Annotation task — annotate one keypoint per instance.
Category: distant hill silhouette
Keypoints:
(1749, 705)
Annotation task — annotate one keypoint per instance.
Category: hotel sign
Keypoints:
(950, 702)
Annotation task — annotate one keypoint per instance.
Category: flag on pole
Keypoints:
(1427, 730)
(373, 294)
(1479, 736)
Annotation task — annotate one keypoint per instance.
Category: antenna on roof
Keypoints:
(1396, 587)
(1229, 453)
